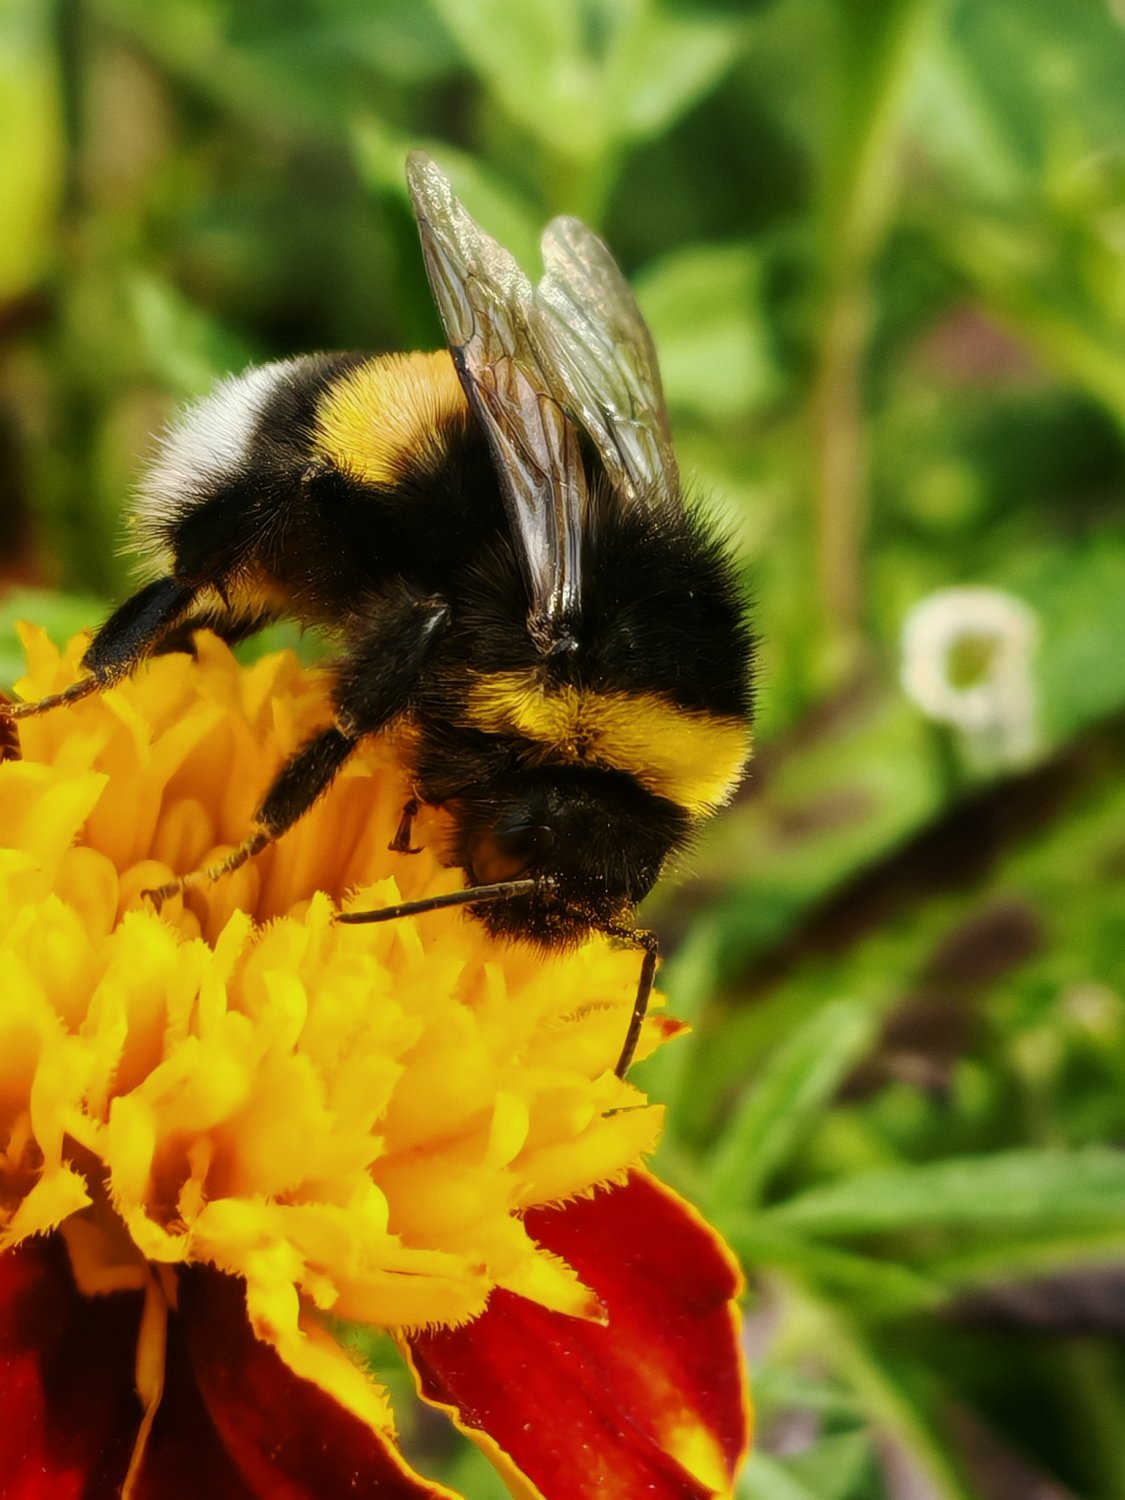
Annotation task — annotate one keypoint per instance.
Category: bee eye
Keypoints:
(507, 852)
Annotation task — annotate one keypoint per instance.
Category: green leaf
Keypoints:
(1080, 592)
(834, 1467)
(781, 1385)
(1028, 276)
(185, 349)
(532, 58)
(663, 63)
(1032, 163)
(586, 77)
(1003, 1258)
(766, 1478)
(471, 1473)
(381, 151)
(31, 172)
(1035, 1189)
(704, 305)
(879, 1288)
(898, 1396)
(60, 615)
(903, 1400)
(1048, 76)
(688, 979)
(798, 1081)
(843, 797)
(300, 67)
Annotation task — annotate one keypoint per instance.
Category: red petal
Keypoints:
(287, 1439)
(68, 1408)
(234, 1423)
(651, 1404)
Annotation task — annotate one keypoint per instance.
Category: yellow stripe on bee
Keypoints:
(390, 416)
(692, 758)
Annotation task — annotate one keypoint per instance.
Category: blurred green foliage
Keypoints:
(882, 247)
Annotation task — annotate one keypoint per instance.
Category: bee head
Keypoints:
(595, 839)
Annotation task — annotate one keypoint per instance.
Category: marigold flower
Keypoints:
(227, 1126)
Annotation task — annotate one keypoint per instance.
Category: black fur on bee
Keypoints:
(495, 537)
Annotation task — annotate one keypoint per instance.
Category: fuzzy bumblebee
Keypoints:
(496, 537)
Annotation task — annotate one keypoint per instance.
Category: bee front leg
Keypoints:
(132, 633)
(374, 684)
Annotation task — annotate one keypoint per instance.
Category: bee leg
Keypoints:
(401, 844)
(131, 633)
(373, 686)
(649, 942)
(10, 748)
(301, 780)
(210, 873)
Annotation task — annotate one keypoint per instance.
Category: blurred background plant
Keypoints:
(882, 247)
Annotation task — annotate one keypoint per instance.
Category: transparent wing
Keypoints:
(589, 331)
(487, 308)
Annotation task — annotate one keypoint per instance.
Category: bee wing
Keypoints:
(590, 330)
(487, 308)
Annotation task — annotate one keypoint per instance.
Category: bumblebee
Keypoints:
(496, 537)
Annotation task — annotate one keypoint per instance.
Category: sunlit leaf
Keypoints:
(797, 1083)
(705, 308)
(1033, 1189)
(31, 176)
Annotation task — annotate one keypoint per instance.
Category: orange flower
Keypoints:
(222, 1125)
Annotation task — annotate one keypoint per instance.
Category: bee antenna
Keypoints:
(474, 895)
(651, 945)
